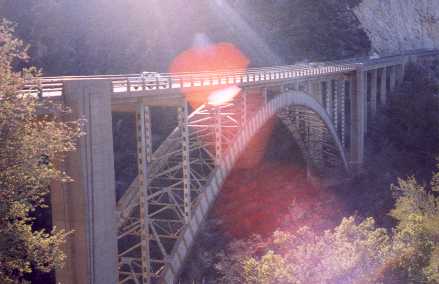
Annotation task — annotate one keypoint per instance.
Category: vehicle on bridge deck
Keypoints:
(148, 80)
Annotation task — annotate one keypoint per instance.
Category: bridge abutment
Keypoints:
(87, 205)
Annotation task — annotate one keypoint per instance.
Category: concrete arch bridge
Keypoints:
(145, 236)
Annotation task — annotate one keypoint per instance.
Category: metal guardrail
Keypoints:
(131, 83)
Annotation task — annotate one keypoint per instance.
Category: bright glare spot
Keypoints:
(220, 97)
(201, 41)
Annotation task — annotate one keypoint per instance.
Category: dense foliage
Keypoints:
(32, 144)
(353, 252)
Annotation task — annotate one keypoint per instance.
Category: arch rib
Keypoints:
(225, 165)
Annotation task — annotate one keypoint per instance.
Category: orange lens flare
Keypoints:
(213, 57)
(208, 61)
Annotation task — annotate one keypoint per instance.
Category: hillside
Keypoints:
(398, 25)
(91, 37)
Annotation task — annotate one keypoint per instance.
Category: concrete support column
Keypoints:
(326, 97)
(401, 72)
(398, 74)
(316, 92)
(265, 95)
(88, 205)
(373, 91)
(403, 65)
(366, 100)
(392, 71)
(406, 62)
(307, 86)
(340, 99)
(335, 102)
(296, 85)
(383, 87)
(348, 113)
(342, 112)
(358, 101)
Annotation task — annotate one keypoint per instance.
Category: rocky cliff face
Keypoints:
(398, 25)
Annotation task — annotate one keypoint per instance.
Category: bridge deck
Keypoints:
(169, 86)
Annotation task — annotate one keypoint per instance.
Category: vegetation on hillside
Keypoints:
(353, 252)
(32, 145)
(97, 37)
(403, 141)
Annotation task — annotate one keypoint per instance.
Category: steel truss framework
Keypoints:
(157, 208)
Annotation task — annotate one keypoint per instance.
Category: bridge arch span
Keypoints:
(218, 176)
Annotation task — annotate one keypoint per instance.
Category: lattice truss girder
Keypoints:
(177, 171)
(312, 137)
(158, 204)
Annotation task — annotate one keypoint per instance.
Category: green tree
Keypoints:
(353, 252)
(417, 232)
(33, 141)
(350, 253)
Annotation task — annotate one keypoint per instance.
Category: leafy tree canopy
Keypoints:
(33, 141)
(353, 252)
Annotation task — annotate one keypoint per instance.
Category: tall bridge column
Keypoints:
(326, 96)
(383, 86)
(316, 133)
(334, 99)
(315, 91)
(373, 91)
(399, 73)
(358, 107)
(87, 205)
(341, 92)
(392, 71)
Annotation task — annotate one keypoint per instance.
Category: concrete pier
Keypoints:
(88, 205)
(383, 86)
(358, 117)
